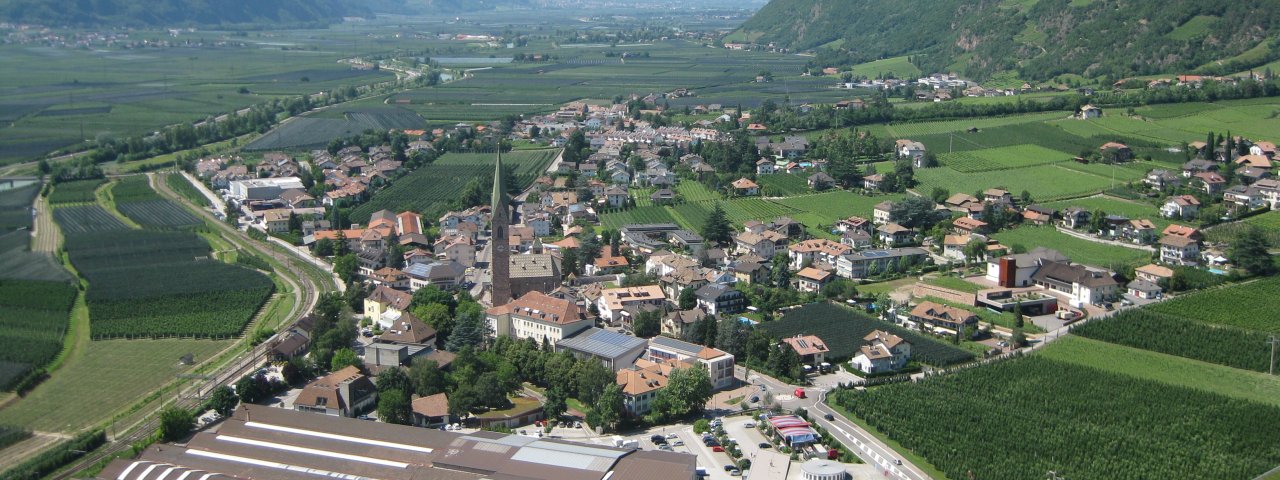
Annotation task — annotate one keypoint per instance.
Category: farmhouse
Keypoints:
(811, 349)
(943, 317)
(909, 148)
(746, 187)
(1116, 152)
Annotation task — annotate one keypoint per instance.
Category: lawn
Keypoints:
(783, 185)
(885, 287)
(109, 376)
(1078, 250)
(1232, 382)
(842, 328)
(954, 283)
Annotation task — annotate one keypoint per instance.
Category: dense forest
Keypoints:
(1036, 39)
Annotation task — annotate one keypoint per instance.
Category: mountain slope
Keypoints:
(1038, 39)
(178, 12)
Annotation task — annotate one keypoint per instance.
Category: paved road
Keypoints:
(47, 234)
(870, 449)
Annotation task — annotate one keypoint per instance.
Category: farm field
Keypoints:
(1246, 305)
(15, 207)
(1078, 250)
(135, 198)
(909, 130)
(181, 186)
(650, 214)
(117, 372)
(1089, 422)
(1226, 233)
(85, 219)
(1002, 158)
(1174, 370)
(33, 319)
(134, 188)
(317, 130)
(1169, 334)
(131, 292)
(900, 67)
(80, 191)
(1188, 122)
(434, 189)
(1045, 182)
(696, 192)
(827, 208)
(783, 185)
(843, 329)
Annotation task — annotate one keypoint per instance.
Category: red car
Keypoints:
(799, 393)
(833, 454)
(717, 448)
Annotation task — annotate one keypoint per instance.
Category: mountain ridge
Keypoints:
(1039, 39)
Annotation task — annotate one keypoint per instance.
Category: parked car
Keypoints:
(735, 473)
(717, 448)
(829, 417)
(672, 435)
(678, 443)
(749, 425)
(800, 393)
(729, 467)
(765, 445)
(658, 439)
(755, 399)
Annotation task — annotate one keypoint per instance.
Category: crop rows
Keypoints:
(33, 319)
(159, 213)
(696, 192)
(1084, 422)
(15, 206)
(843, 329)
(132, 292)
(650, 214)
(783, 184)
(435, 188)
(133, 189)
(1165, 333)
(179, 184)
(1228, 232)
(1002, 158)
(81, 219)
(80, 191)
(1249, 305)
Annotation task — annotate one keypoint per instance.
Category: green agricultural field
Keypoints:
(81, 191)
(638, 215)
(1078, 250)
(83, 219)
(116, 372)
(696, 192)
(1170, 334)
(783, 185)
(1242, 384)
(1269, 223)
(1084, 421)
(1045, 182)
(899, 67)
(740, 210)
(692, 216)
(843, 329)
(1002, 158)
(954, 283)
(909, 130)
(434, 189)
(1250, 305)
(830, 207)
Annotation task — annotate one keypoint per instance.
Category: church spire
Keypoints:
(499, 199)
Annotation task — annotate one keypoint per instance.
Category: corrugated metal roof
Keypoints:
(602, 343)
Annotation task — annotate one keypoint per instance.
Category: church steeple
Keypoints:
(499, 186)
(499, 238)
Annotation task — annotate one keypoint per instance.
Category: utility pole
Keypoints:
(1274, 341)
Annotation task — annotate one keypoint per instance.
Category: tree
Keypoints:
(555, 404)
(779, 273)
(784, 362)
(975, 250)
(394, 407)
(393, 379)
(759, 344)
(609, 409)
(1018, 320)
(343, 358)
(431, 294)
(490, 392)
(1250, 253)
(1019, 339)
(223, 400)
(323, 248)
(346, 267)
(176, 423)
(646, 324)
(686, 393)
(329, 306)
(1098, 221)
(688, 298)
(917, 213)
(592, 377)
(469, 331)
(717, 230)
(731, 336)
(940, 194)
(252, 388)
(427, 378)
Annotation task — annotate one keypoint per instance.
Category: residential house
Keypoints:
(346, 393)
(966, 225)
(615, 196)
(958, 201)
(869, 263)
(880, 213)
(1265, 149)
(854, 223)
(1179, 250)
(997, 196)
(443, 275)
(1183, 231)
(858, 239)
(1198, 165)
(1089, 112)
(277, 221)
(810, 279)
(1081, 285)
(818, 252)
(718, 299)
(1160, 179)
(811, 349)
(909, 148)
(765, 166)
(719, 364)
(640, 385)
(820, 181)
(1075, 218)
(1143, 289)
(1153, 273)
(663, 196)
(883, 352)
(384, 300)
(607, 264)
(1181, 206)
(612, 301)
(389, 277)
(745, 187)
(538, 316)
(1116, 152)
(1254, 161)
(943, 317)
(764, 244)
(872, 182)
(1211, 182)
(953, 246)
(1140, 231)
(677, 323)
(894, 235)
